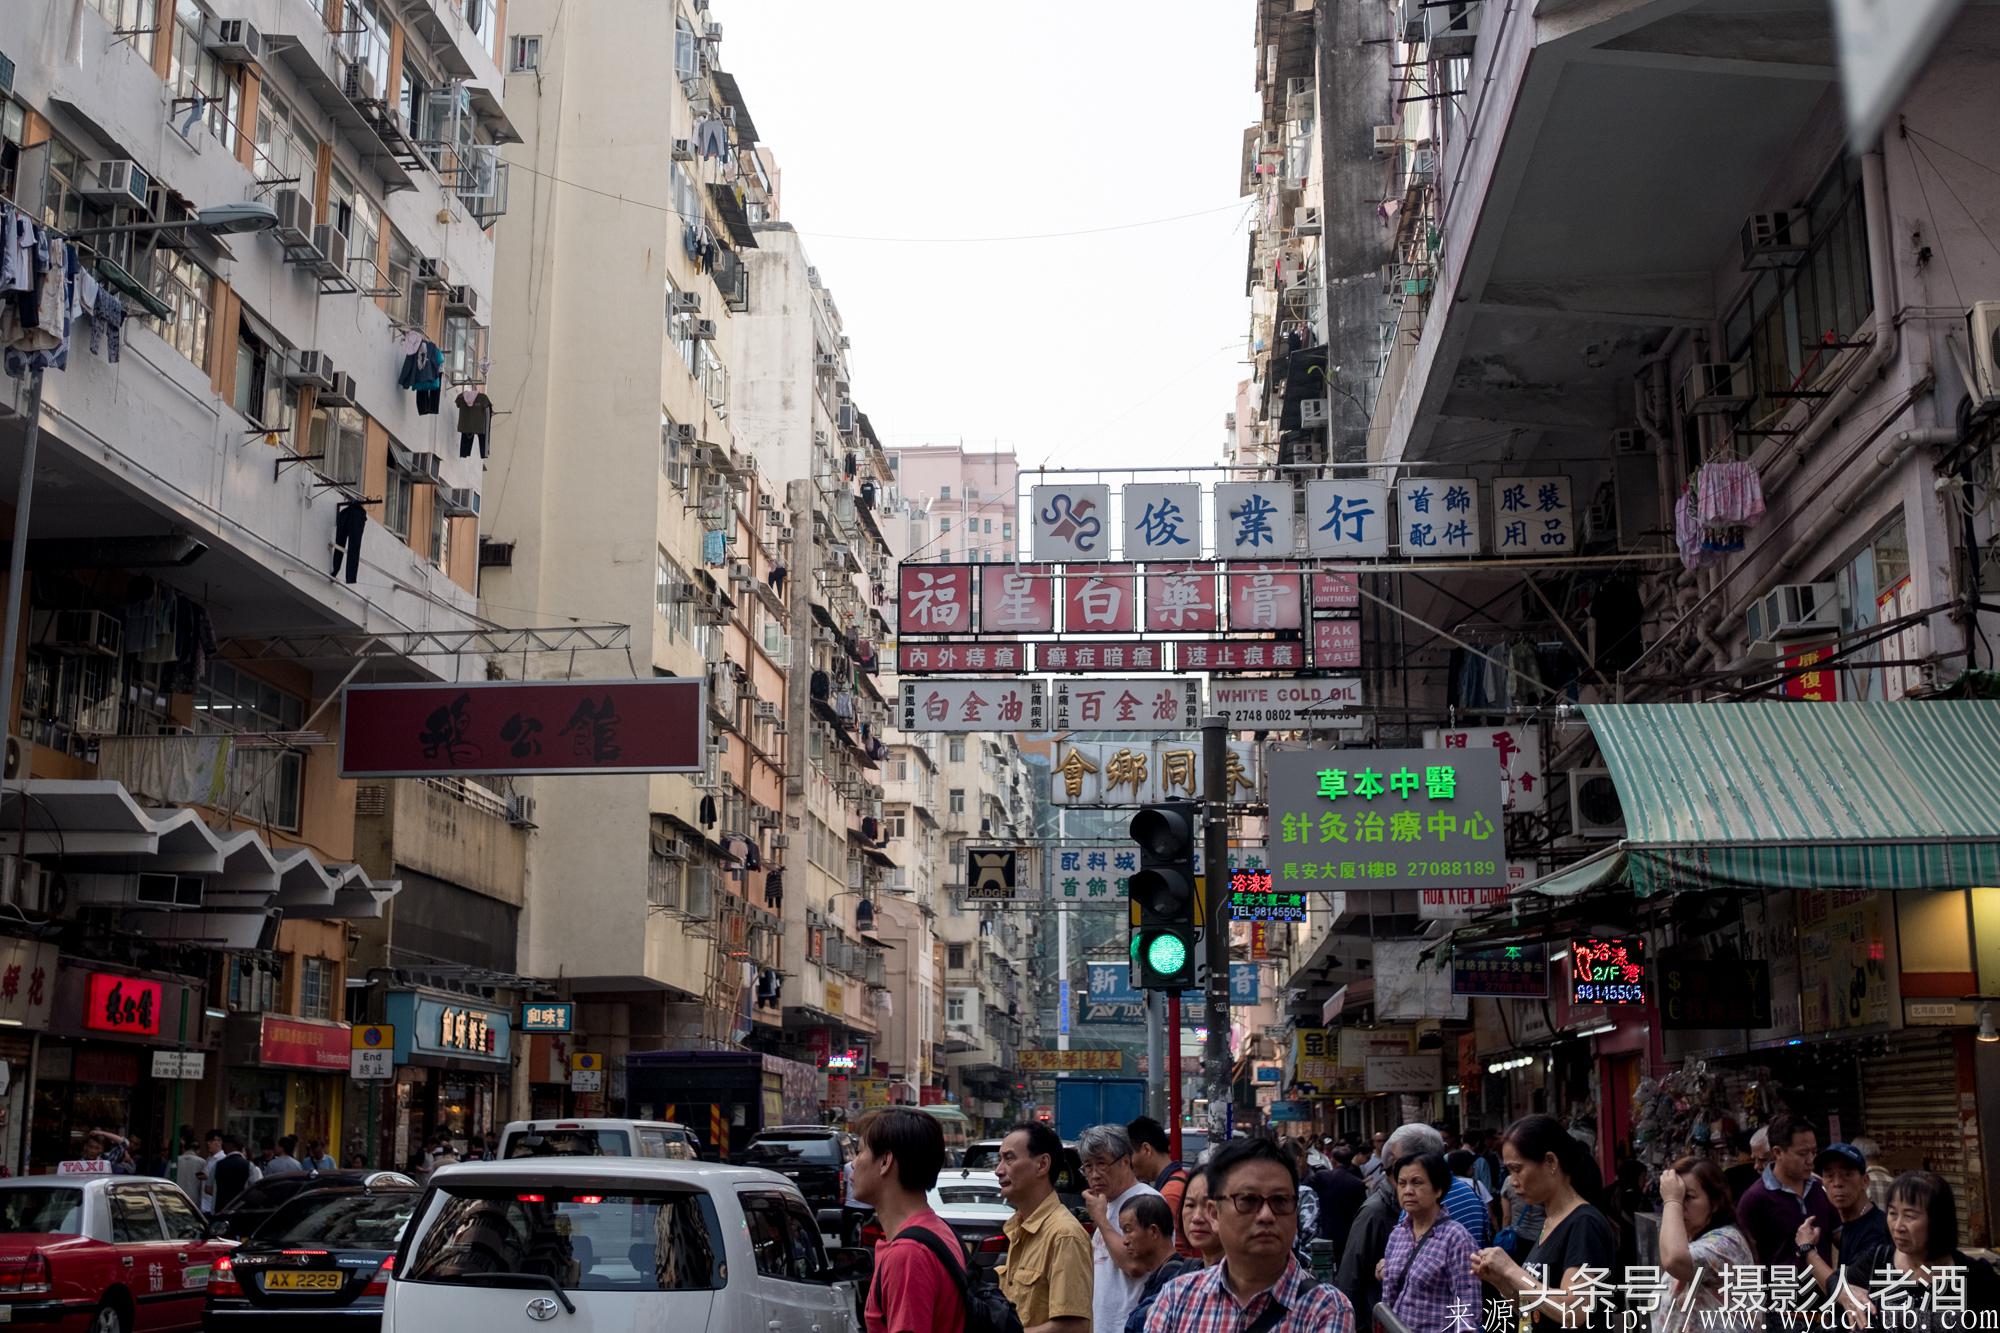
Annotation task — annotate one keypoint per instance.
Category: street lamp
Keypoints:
(221, 220)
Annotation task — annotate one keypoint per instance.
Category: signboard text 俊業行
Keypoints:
(1386, 819)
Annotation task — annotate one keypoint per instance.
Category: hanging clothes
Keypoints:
(715, 549)
(17, 250)
(711, 137)
(475, 421)
(1731, 493)
(350, 522)
(706, 813)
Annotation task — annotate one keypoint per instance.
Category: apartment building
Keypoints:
(631, 497)
(184, 640)
(970, 496)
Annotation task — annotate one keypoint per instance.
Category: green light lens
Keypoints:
(1166, 953)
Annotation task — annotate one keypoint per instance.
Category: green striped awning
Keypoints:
(1806, 795)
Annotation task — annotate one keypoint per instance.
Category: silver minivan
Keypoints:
(607, 1243)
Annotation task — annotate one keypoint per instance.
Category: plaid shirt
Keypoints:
(1203, 1303)
(1430, 1286)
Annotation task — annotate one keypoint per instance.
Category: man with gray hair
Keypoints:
(1106, 1151)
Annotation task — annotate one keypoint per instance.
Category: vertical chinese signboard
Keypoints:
(1386, 819)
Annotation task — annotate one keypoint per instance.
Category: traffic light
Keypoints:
(1163, 941)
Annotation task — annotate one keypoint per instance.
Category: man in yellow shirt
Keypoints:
(1047, 1274)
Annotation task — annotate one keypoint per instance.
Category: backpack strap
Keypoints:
(953, 1265)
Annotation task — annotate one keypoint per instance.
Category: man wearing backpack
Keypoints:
(902, 1151)
(1152, 1160)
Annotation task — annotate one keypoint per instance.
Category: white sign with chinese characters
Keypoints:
(1254, 520)
(1297, 704)
(1437, 517)
(1108, 773)
(1162, 520)
(1347, 517)
(1462, 904)
(1410, 985)
(1520, 759)
(1532, 516)
(973, 705)
(1138, 704)
(1071, 522)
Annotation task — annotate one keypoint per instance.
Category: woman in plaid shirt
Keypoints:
(1426, 1273)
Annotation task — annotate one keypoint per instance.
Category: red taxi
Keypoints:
(108, 1254)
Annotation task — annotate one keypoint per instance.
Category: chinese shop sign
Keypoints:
(1070, 522)
(973, 705)
(1462, 904)
(1103, 601)
(126, 1005)
(1312, 1057)
(961, 655)
(1438, 516)
(1266, 599)
(1520, 759)
(564, 726)
(1182, 600)
(934, 599)
(1240, 655)
(1608, 971)
(1336, 590)
(1108, 773)
(1532, 516)
(1111, 996)
(1079, 873)
(302, 1043)
(1337, 644)
(1347, 517)
(1702, 993)
(1808, 681)
(1102, 655)
(1099, 1062)
(547, 1016)
(1251, 898)
(1127, 705)
(1162, 520)
(1386, 819)
(1508, 972)
(1015, 600)
(992, 874)
(1288, 705)
(26, 970)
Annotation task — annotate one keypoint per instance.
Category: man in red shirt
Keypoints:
(901, 1153)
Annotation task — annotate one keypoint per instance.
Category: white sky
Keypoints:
(895, 118)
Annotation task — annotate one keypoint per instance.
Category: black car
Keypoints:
(322, 1260)
(811, 1157)
(250, 1209)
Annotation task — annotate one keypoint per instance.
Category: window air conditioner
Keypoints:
(117, 181)
(1983, 333)
(1453, 28)
(703, 330)
(828, 361)
(1313, 413)
(6, 77)
(433, 275)
(1594, 808)
(24, 884)
(1792, 611)
(1388, 138)
(844, 418)
(780, 841)
(295, 217)
(1715, 386)
(95, 632)
(460, 299)
(1776, 240)
(679, 432)
(331, 243)
(683, 150)
(1306, 222)
(739, 573)
(686, 592)
(711, 31)
(686, 303)
(340, 393)
(521, 811)
(784, 536)
(1410, 24)
(767, 710)
(359, 82)
(235, 39)
(314, 368)
(458, 501)
(1630, 440)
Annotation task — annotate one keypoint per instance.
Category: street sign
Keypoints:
(1386, 819)
(373, 1051)
(1288, 705)
(586, 1071)
(547, 1016)
(991, 873)
(179, 1064)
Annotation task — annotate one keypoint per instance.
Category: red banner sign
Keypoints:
(559, 726)
(1101, 602)
(1111, 655)
(302, 1043)
(126, 1005)
(1265, 600)
(1240, 655)
(915, 659)
(1812, 683)
(1182, 601)
(1016, 600)
(1337, 643)
(934, 599)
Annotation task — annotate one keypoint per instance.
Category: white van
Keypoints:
(557, 1137)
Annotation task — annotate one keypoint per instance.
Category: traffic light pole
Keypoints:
(1215, 927)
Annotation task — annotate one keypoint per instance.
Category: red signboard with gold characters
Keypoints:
(128, 1005)
(1807, 680)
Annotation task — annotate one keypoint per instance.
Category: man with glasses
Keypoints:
(1772, 1210)
(1047, 1273)
(1106, 1151)
(1259, 1287)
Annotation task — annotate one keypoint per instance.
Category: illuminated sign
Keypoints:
(1386, 819)
(123, 1004)
(444, 1028)
(1608, 971)
(847, 1059)
(1252, 899)
(1514, 971)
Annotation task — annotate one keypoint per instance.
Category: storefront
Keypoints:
(284, 1076)
(27, 993)
(95, 1068)
(454, 1058)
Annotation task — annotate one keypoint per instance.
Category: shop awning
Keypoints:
(1802, 795)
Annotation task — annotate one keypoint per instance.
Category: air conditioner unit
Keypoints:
(1594, 808)
(6, 77)
(1306, 222)
(295, 217)
(767, 710)
(359, 82)
(458, 501)
(1313, 413)
(16, 757)
(702, 330)
(460, 299)
(767, 503)
(235, 39)
(686, 592)
(1452, 29)
(96, 632)
(1717, 386)
(679, 432)
(784, 536)
(686, 303)
(1776, 240)
(669, 848)
(116, 181)
(1410, 25)
(1388, 138)
(1792, 611)
(331, 243)
(711, 31)
(1630, 440)
(1423, 164)
(1982, 324)
(683, 150)
(739, 573)
(25, 884)
(433, 275)
(780, 841)
(521, 811)
(340, 393)
(828, 361)
(844, 419)
(158, 890)
(314, 368)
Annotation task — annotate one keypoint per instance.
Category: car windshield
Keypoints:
(817, 1150)
(58, 1212)
(570, 1143)
(341, 1221)
(981, 1156)
(523, 1234)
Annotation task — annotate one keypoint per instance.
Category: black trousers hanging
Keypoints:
(465, 440)
(349, 522)
(427, 401)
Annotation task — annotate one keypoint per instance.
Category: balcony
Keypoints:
(343, 82)
(258, 781)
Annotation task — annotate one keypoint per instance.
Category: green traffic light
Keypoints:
(1166, 954)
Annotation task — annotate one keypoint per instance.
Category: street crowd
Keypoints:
(1505, 1232)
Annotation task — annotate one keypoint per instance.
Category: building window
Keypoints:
(954, 956)
(340, 436)
(194, 72)
(129, 17)
(257, 367)
(187, 287)
(287, 150)
(464, 350)
(13, 128)
(944, 492)
(252, 985)
(1006, 531)
(397, 498)
(972, 492)
(410, 307)
(687, 51)
(228, 701)
(440, 537)
(957, 806)
(527, 56)
(676, 461)
(897, 825)
(316, 985)
(954, 1007)
(955, 749)
(680, 324)
(944, 526)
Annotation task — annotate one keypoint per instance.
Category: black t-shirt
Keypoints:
(1585, 1239)
(232, 1175)
(1870, 1231)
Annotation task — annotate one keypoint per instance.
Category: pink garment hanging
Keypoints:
(1730, 494)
